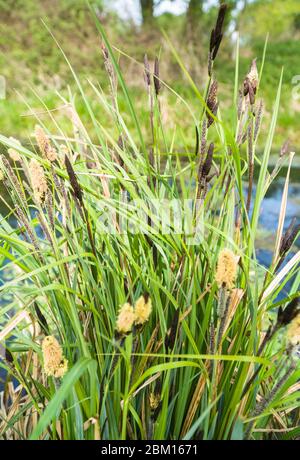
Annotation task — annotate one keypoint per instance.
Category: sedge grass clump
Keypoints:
(201, 355)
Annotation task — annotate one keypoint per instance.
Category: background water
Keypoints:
(270, 210)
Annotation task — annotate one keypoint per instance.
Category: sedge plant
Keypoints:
(116, 325)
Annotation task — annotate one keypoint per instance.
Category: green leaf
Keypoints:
(238, 431)
(55, 404)
(198, 422)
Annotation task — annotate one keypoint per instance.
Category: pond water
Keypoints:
(270, 211)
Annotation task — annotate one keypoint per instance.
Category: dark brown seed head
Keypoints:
(146, 296)
(289, 236)
(208, 161)
(41, 319)
(197, 140)
(258, 118)
(284, 317)
(155, 399)
(212, 102)
(217, 46)
(171, 337)
(220, 19)
(73, 180)
(8, 356)
(157, 84)
(287, 241)
(216, 33)
(212, 41)
(147, 71)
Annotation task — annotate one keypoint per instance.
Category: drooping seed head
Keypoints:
(288, 238)
(73, 180)
(251, 82)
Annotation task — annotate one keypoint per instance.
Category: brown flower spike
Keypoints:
(38, 180)
(212, 103)
(251, 82)
(44, 144)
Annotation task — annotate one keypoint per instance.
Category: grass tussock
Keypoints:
(157, 332)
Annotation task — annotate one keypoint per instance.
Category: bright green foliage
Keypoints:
(32, 66)
(276, 16)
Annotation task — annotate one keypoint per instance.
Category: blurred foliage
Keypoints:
(30, 59)
(275, 16)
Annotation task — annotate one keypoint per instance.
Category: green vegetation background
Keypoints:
(34, 67)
